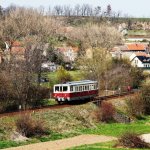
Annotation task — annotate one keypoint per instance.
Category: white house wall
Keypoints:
(137, 62)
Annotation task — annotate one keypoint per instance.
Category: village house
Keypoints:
(14, 49)
(17, 50)
(125, 51)
(140, 60)
(49, 66)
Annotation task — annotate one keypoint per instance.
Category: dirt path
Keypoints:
(65, 143)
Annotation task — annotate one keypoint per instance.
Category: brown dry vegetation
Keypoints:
(132, 140)
(60, 121)
(31, 127)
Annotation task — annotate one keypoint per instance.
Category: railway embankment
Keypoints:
(68, 122)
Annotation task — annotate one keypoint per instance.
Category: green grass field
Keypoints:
(138, 32)
(117, 129)
(52, 76)
(101, 146)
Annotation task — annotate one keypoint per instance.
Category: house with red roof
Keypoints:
(125, 51)
(17, 49)
(14, 49)
(140, 60)
(133, 48)
(137, 53)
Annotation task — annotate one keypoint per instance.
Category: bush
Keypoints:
(29, 127)
(25, 95)
(136, 105)
(63, 75)
(132, 140)
(137, 76)
(146, 95)
(107, 111)
(6, 88)
(36, 94)
(8, 96)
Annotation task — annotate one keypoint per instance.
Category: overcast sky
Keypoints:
(136, 8)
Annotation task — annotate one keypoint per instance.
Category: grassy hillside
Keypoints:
(68, 122)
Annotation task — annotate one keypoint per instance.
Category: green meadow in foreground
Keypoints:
(100, 146)
(117, 129)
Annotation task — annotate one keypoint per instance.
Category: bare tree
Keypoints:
(97, 11)
(77, 10)
(93, 35)
(58, 10)
(109, 10)
(67, 10)
(99, 39)
(89, 10)
(95, 67)
(32, 29)
(83, 10)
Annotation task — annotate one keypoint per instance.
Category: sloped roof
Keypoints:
(134, 47)
(144, 59)
(130, 47)
(141, 54)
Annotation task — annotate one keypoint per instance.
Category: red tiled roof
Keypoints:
(136, 47)
(141, 54)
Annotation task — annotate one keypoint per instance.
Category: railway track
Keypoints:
(22, 112)
(96, 100)
(113, 96)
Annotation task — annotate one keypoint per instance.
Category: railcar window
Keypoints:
(83, 88)
(65, 88)
(91, 87)
(88, 87)
(56, 88)
(71, 88)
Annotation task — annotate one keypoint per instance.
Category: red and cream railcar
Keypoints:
(76, 90)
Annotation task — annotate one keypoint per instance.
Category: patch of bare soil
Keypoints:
(66, 143)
